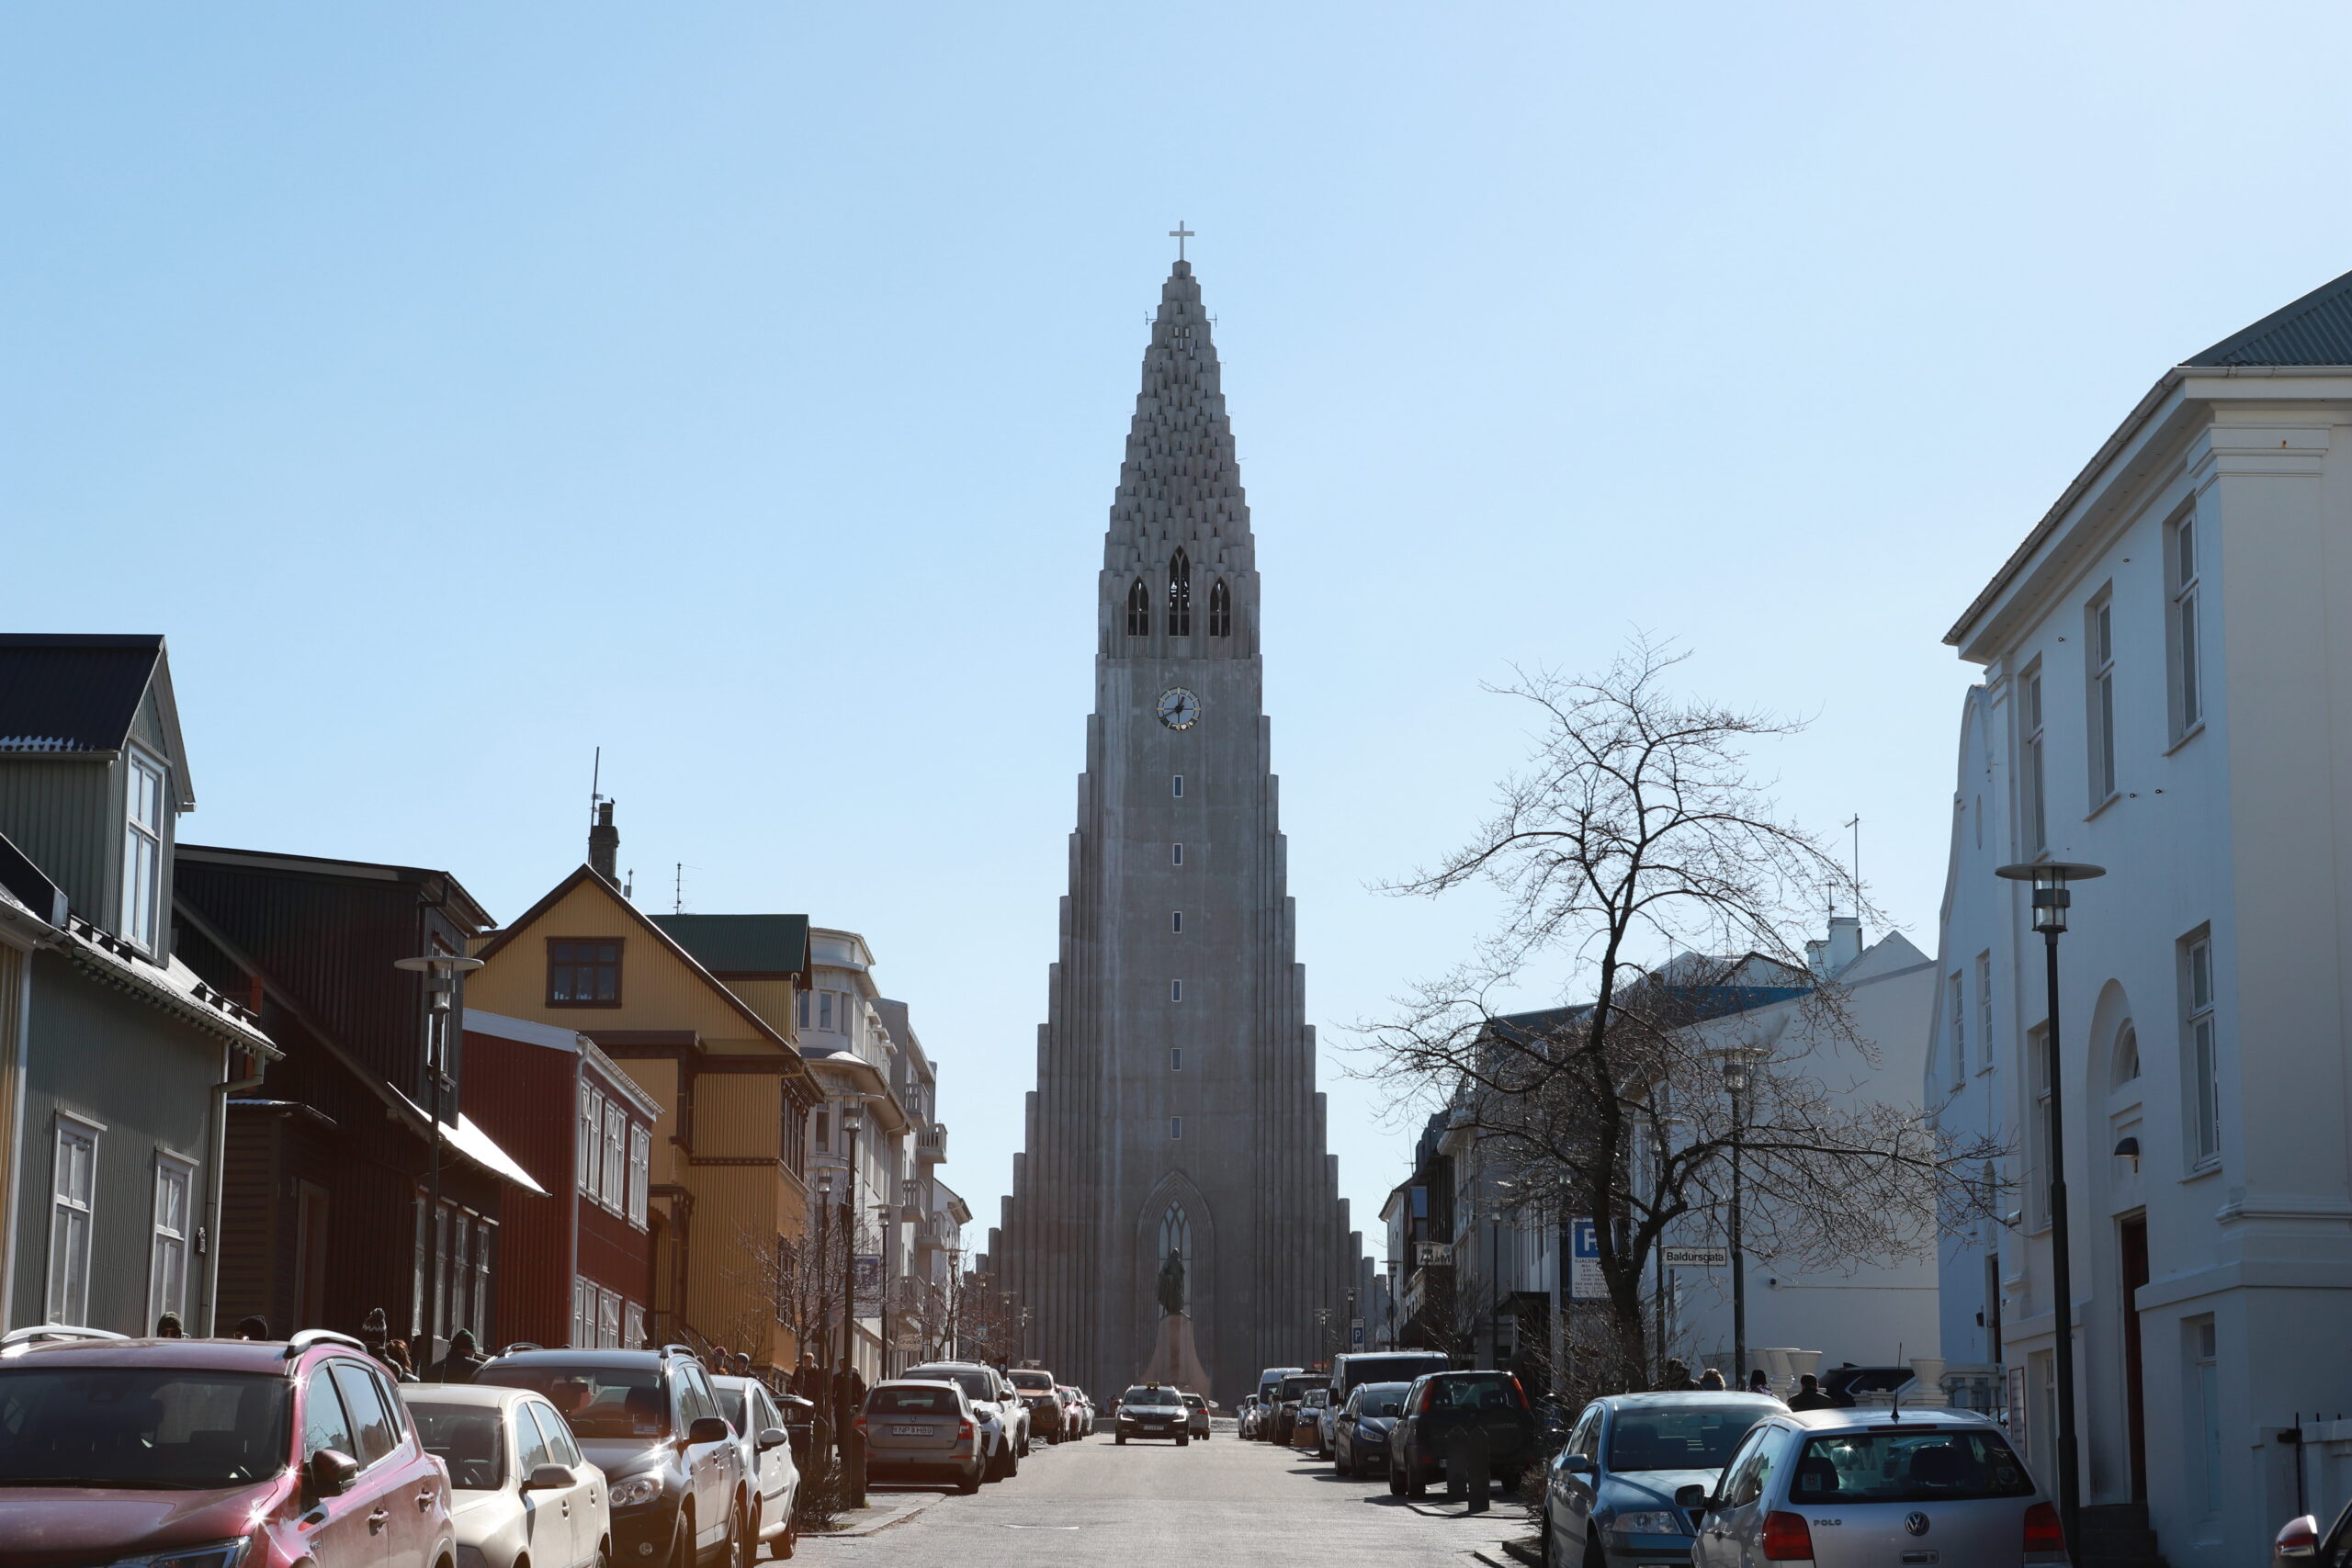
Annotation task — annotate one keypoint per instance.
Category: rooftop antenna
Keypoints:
(1855, 873)
(629, 886)
(596, 785)
(678, 891)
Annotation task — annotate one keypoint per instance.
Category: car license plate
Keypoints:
(913, 1431)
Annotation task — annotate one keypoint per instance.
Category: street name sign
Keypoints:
(1697, 1257)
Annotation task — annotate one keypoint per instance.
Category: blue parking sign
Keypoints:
(1586, 1282)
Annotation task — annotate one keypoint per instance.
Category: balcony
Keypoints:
(939, 1233)
(931, 1144)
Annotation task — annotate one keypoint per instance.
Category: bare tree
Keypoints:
(1636, 853)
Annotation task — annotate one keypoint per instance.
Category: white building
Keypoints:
(2160, 698)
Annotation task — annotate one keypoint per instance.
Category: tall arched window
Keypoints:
(1180, 596)
(1139, 610)
(1220, 610)
(1176, 1237)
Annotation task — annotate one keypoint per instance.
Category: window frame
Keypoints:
(169, 1164)
(2033, 777)
(2201, 1050)
(1179, 595)
(612, 1189)
(1220, 609)
(2099, 728)
(1139, 609)
(640, 1174)
(2184, 616)
(69, 1127)
(142, 849)
(1958, 990)
(1985, 1010)
(618, 965)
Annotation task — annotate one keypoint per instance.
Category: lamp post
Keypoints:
(441, 987)
(2051, 899)
(823, 1441)
(1738, 1073)
(886, 1221)
(1392, 1305)
(853, 1448)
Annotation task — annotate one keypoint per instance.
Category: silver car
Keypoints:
(520, 1489)
(987, 1394)
(774, 1479)
(1844, 1488)
(919, 1430)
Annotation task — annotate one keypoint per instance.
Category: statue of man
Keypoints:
(1172, 1285)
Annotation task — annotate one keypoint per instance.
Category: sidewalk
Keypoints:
(883, 1510)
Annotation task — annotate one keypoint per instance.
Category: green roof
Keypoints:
(741, 944)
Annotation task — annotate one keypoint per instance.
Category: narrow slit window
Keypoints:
(1176, 786)
(1176, 1059)
(2102, 700)
(1139, 609)
(1175, 1127)
(1176, 921)
(2189, 703)
(2204, 1057)
(1175, 991)
(1220, 610)
(2037, 822)
(1175, 854)
(1180, 596)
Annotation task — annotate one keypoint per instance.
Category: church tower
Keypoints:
(1176, 1106)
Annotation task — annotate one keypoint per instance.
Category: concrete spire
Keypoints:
(1179, 484)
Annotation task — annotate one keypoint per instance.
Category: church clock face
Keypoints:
(1179, 708)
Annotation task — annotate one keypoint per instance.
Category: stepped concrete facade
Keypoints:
(1176, 1107)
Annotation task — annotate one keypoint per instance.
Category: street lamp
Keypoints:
(853, 1455)
(1392, 1304)
(1738, 1065)
(441, 987)
(2051, 899)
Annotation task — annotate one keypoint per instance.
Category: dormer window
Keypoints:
(143, 852)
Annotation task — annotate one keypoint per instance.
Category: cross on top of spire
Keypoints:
(1180, 234)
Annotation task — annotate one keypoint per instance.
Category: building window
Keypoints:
(1220, 610)
(1984, 1011)
(1175, 854)
(1176, 1059)
(583, 972)
(478, 1299)
(803, 1010)
(613, 1191)
(2037, 825)
(824, 1010)
(1139, 609)
(1959, 1030)
(824, 1132)
(609, 1320)
(2203, 1052)
(2205, 1403)
(142, 854)
(1175, 991)
(1176, 921)
(591, 1140)
(2126, 1066)
(73, 1186)
(632, 1326)
(1175, 1127)
(2100, 629)
(640, 1173)
(167, 1263)
(2189, 696)
(1180, 596)
(2038, 1068)
(1177, 788)
(583, 1313)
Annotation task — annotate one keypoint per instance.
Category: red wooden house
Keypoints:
(578, 1263)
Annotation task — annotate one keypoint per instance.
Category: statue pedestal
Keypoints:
(1175, 1359)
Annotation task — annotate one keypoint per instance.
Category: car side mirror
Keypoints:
(709, 1429)
(1577, 1464)
(331, 1472)
(773, 1436)
(549, 1478)
(1693, 1499)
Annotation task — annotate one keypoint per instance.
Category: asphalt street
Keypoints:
(1149, 1505)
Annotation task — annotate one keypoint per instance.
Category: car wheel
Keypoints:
(1396, 1480)
(785, 1544)
(1416, 1484)
(971, 1483)
(1182, 1438)
(1121, 1439)
(681, 1541)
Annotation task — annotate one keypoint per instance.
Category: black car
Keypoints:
(1360, 1432)
(1287, 1394)
(1154, 1410)
(1487, 1408)
(651, 1421)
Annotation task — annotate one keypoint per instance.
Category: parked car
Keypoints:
(523, 1492)
(1845, 1487)
(1002, 1418)
(766, 1448)
(1197, 1422)
(211, 1453)
(1246, 1417)
(1360, 1430)
(923, 1428)
(651, 1421)
(1270, 1383)
(1349, 1370)
(1307, 1421)
(1609, 1496)
(1293, 1388)
(1153, 1410)
(1036, 1391)
(1443, 1408)
(2299, 1540)
(1077, 1421)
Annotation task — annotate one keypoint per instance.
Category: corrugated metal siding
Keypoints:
(522, 1096)
(147, 1080)
(67, 818)
(12, 976)
(615, 1253)
(249, 1187)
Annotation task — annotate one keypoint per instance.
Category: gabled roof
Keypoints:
(438, 884)
(62, 694)
(743, 947)
(586, 874)
(2313, 330)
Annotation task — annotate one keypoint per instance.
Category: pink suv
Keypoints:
(212, 1453)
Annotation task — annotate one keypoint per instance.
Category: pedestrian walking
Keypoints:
(461, 1363)
(810, 1379)
(396, 1352)
(1677, 1378)
(376, 1334)
(168, 1327)
(1809, 1396)
(254, 1326)
(1758, 1383)
(1712, 1381)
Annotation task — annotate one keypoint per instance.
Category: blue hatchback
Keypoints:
(1609, 1498)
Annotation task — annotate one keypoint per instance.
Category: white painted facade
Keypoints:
(2168, 643)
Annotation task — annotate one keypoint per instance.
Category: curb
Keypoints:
(915, 1505)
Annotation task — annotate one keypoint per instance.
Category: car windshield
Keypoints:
(1907, 1467)
(160, 1428)
(1390, 1369)
(1381, 1398)
(1296, 1386)
(974, 1383)
(1697, 1437)
(602, 1404)
(1476, 1390)
(1033, 1383)
(902, 1401)
(465, 1438)
(1142, 1395)
(1196, 1402)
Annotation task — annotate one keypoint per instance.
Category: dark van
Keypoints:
(1382, 1366)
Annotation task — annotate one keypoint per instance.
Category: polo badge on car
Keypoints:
(1917, 1524)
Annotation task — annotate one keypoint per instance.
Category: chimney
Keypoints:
(1845, 943)
(604, 842)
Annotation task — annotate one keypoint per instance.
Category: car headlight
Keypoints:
(215, 1554)
(1648, 1521)
(637, 1489)
(1126, 1416)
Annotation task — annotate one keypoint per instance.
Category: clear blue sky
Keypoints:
(740, 389)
